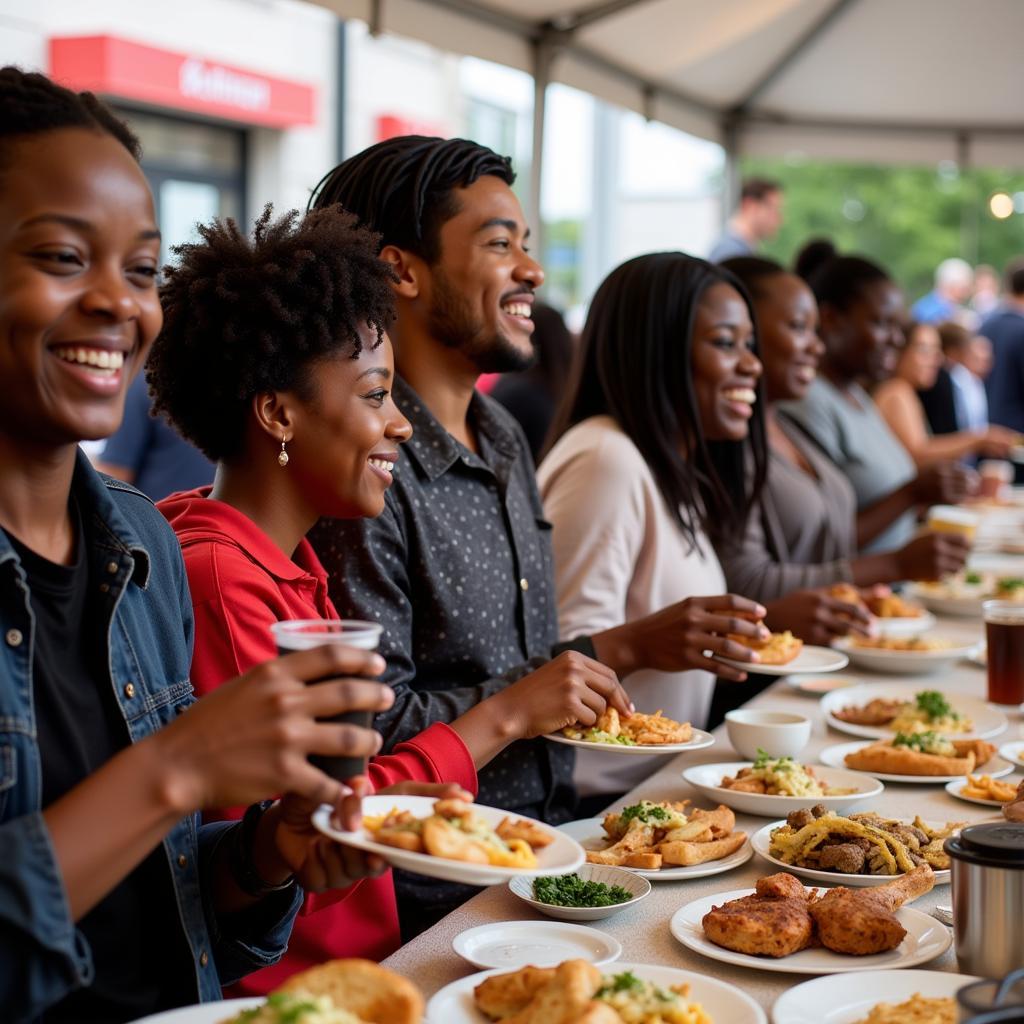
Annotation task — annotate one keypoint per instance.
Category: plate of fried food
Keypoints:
(894, 616)
(984, 790)
(774, 786)
(879, 710)
(923, 757)
(962, 593)
(855, 849)
(904, 655)
(624, 993)
(335, 992)
(638, 734)
(878, 997)
(781, 926)
(455, 840)
(782, 654)
(663, 841)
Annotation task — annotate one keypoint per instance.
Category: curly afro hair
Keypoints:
(243, 316)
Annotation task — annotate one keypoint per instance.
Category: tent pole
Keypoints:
(968, 201)
(543, 57)
(731, 184)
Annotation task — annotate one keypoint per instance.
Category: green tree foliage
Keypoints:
(907, 218)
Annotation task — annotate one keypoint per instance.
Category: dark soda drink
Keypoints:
(1004, 631)
(303, 635)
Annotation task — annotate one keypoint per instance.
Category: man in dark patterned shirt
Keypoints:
(458, 567)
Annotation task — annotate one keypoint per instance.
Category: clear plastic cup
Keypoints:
(953, 519)
(305, 634)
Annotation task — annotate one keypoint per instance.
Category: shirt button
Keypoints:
(104, 587)
(524, 584)
(111, 567)
(13, 638)
(129, 690)
(203, 959)
(182, 860)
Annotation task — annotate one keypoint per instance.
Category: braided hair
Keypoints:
(243, 316)
(31, 104)
(404, 187)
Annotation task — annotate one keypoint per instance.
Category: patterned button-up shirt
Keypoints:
(458, 570)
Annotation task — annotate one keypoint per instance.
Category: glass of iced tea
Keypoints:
(1004, 632)
(305, 634)
(953, 519)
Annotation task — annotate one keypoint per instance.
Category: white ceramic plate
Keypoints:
(590, 835)
(762, 839)
(810, 659)
(909, 625)
(561, 857)
(514, 944)
(925, 940)
(980, 655)
(1013, 752)
(956, 787)
(700, 740)
(846, 999)
(904, 662)
(629, 880)
(203, 1013)
(835, 756)
(724, 1003)
(988, 721)
(707, 778)
(941, 604)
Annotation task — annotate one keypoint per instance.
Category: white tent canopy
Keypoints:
(874, 80)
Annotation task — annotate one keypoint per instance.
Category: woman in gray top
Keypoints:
(809, 528)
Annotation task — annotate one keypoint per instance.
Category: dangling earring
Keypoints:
(282, 455)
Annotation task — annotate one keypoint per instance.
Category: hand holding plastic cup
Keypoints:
(996, 474)
(953, 519)
(305, 634)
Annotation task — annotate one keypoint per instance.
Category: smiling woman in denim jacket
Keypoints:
(114, 901)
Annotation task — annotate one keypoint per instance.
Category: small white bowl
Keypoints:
(639, 887)
(777, 733)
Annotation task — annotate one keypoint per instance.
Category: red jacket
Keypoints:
(241, 582)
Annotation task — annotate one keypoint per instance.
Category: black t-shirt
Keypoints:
(141, 959)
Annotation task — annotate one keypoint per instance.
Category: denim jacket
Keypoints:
(43, 957)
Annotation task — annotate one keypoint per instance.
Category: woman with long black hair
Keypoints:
(660, 452)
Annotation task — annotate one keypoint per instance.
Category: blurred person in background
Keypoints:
(757, 219)
(149, 453)
(805, 532)
(954, 281)
(860, 311)
(985, 299)
(532, 395)
(969, 363)
(917, 368)
(1005, 329)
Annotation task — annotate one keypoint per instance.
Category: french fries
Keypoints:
(984, 787)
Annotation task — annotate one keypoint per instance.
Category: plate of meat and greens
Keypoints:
(862, 849)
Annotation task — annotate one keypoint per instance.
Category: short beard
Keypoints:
(451, 323)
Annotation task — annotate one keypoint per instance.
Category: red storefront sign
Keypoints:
(132, 71)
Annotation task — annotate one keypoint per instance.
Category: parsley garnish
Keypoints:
(644, 810)
(935, 705)
(573, 891)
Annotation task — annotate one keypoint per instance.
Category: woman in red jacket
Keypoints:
(273, 360)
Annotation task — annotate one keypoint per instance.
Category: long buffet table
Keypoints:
(643, 930)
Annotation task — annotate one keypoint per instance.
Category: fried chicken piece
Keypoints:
(846, 858)
(503, 995)
(775, 921)
(862, 921)
(637, 837)
(565, 998)
(517, 828)
(1014, 810)
(876, 712)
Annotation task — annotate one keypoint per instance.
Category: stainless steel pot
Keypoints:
(988, 897)
(991, 1000)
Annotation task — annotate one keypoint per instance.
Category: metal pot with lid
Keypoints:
(987, 866)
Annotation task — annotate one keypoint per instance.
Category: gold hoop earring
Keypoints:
(282, 455)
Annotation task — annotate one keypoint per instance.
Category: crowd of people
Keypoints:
(727, 441)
